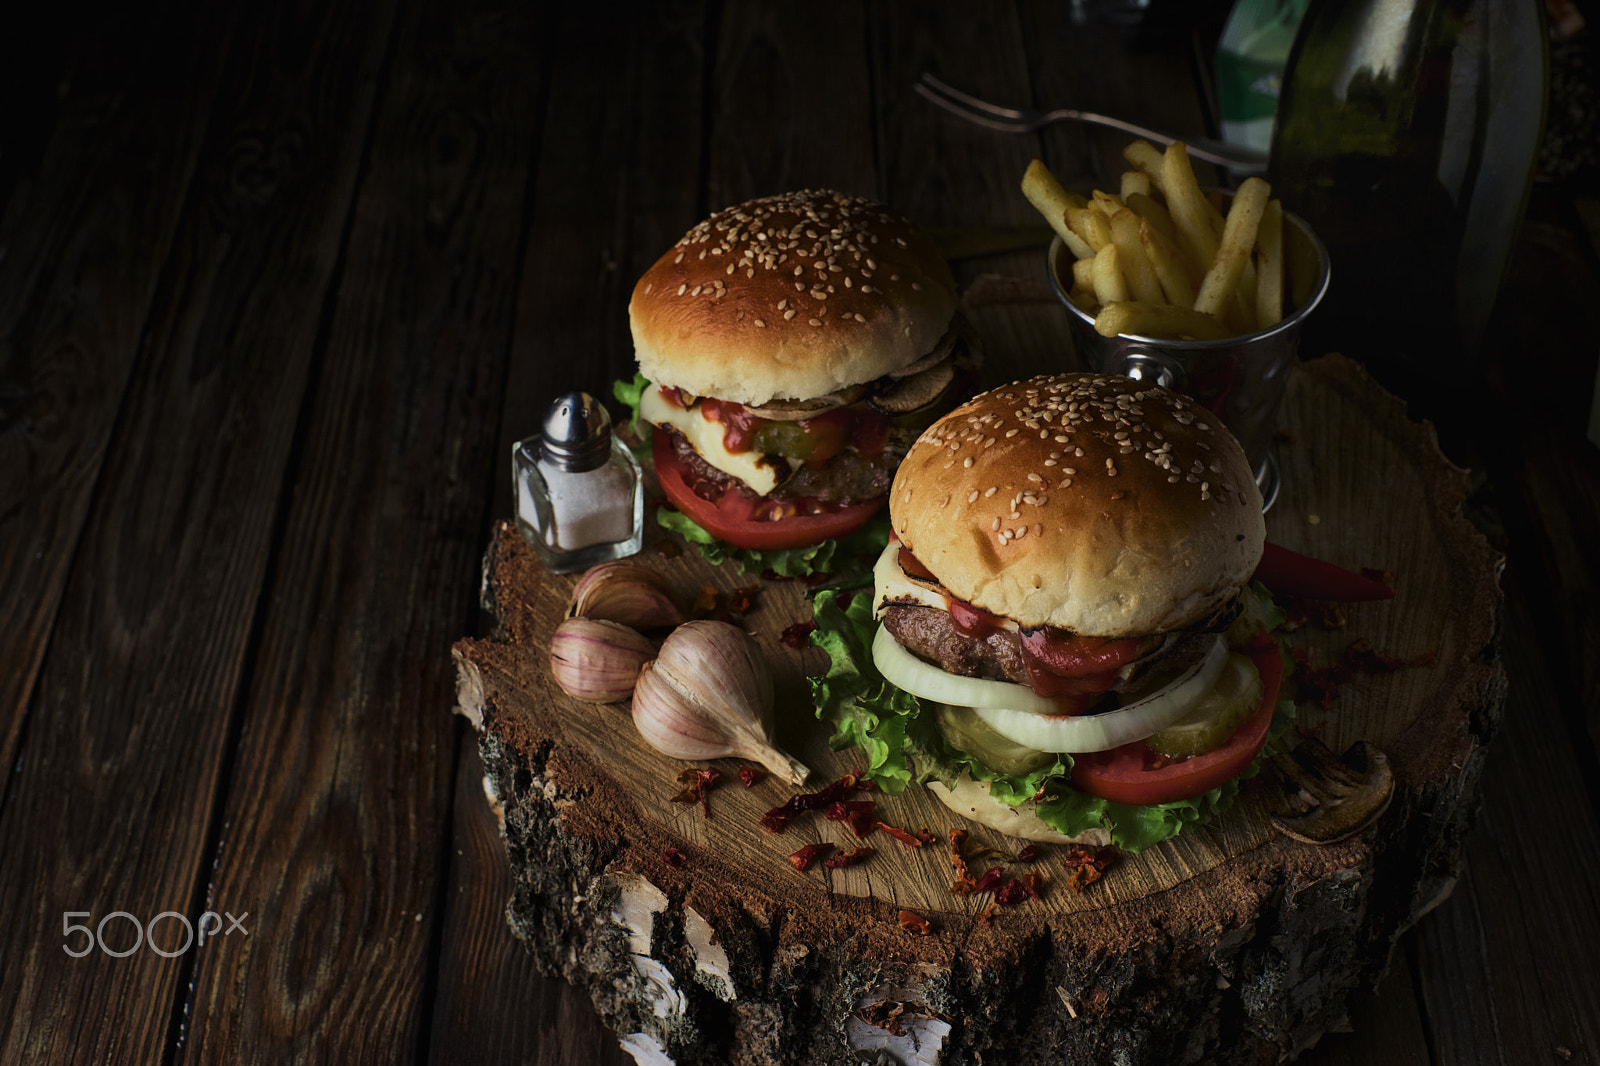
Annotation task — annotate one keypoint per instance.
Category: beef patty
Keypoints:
(931, 634)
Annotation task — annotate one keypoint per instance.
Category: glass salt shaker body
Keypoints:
(579, 492)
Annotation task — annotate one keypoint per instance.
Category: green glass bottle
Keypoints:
(1407, 134)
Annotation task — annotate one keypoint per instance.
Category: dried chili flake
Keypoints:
(988, 914)
(798, 636)
(1019, 890)
(990, 880)
(959, 861)
(705, 601)
(776, 819)
(916, 923)
(809, 854)
(741, 600)
(847, 858)
(697, 782)
(1320, 686)
(903, 836)
(857, 814)
(673, 857)
(1086, 865)
(751, 775)
(1028, 853)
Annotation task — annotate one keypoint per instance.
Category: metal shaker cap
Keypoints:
(577, 433)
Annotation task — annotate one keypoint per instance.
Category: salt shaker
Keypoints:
(580, 498)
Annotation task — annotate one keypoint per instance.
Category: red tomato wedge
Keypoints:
(742, 519)
(1129, 774)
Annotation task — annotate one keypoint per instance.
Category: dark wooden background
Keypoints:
(280, 284)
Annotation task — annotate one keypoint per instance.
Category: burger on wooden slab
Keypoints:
(1062, 639)
(790, 349)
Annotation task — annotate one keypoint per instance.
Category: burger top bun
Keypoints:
(792, 296)
(1096, 504)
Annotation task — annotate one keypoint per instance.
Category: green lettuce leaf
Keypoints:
(902, 745)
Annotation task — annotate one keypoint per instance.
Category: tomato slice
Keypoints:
(744, 520)
(1130, 774)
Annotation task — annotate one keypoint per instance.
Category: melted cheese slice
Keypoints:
(705, 437)
(891, 585)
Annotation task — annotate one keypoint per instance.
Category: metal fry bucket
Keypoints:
(1241, 379)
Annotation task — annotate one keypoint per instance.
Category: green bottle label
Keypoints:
(1247, 88)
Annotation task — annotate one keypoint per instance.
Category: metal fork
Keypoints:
(1026, 120)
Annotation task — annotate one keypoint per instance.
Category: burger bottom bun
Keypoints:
(971, 799)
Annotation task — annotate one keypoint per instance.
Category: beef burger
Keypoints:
(1066, 598)
(794, 345)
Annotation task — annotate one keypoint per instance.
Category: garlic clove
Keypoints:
(625, 591)
(597, 661)
(708, 694)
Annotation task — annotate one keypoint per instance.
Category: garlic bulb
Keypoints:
(709, 694)
(625, 591)
(597, 661)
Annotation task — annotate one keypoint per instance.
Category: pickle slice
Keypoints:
(1219, 713)
(965, 730)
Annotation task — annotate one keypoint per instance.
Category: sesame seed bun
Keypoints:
(1096, 504)
(792, 296)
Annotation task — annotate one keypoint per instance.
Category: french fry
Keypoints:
(1169, 264)
(1137, 319)
(1083, 298)
(1191, 211)
(1091, 226)
(1154, 212)
(1269, 266)
(1243, 315)
(1053, 201)
(1146, 157)
(1159, 257)
(1136, 266)
(1106, 203)
(1109, 283)
(1238, 237)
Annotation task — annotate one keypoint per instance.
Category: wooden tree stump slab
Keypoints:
(1233, 943)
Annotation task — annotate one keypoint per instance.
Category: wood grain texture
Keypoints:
(188, 495)
(85, 232)
(339, 805)
(1468, 949)
(795, 107)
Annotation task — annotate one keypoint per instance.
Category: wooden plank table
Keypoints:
(279, 287)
